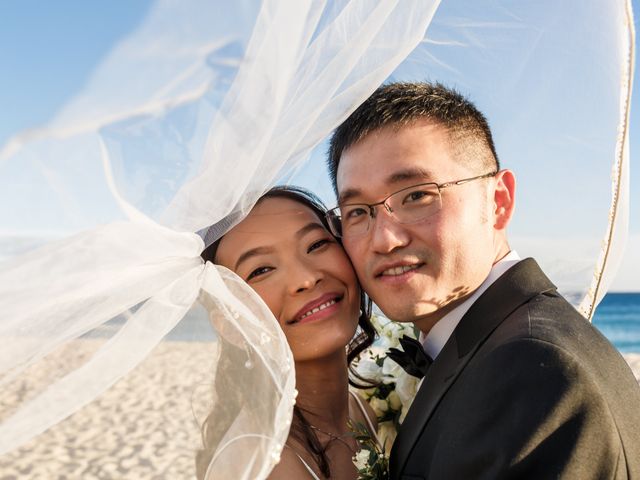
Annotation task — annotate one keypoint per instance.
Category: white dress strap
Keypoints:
(370, 425)
(306, 465)
(311, 472)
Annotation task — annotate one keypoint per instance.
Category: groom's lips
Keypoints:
(397, 272)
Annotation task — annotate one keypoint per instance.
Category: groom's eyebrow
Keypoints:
(416, 173)
(347, 195)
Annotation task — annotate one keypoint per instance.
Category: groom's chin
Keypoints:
(404, 312)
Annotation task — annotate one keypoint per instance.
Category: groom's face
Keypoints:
(420, 270)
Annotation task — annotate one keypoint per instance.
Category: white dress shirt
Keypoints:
(442, 330)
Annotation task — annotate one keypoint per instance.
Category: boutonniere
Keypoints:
(395, 389)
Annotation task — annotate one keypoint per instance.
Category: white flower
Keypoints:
(379, 406)
(384, 342)
(378, 321)
(366, 393)
(406, 388)
(361, 459)
(394, 400)
(367, 367)
(390, 332)
(391, 371)
(387, 434)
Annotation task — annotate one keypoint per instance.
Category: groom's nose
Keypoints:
(386, 234)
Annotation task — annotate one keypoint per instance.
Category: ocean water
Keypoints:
(618, 318)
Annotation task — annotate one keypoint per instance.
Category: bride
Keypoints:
(284, 251)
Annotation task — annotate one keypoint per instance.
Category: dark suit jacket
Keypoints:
(524, 388)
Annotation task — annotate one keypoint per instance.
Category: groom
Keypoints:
(521, 386)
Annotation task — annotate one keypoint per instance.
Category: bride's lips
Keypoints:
(317, 309)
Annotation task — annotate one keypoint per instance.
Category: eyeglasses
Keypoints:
(409, 205)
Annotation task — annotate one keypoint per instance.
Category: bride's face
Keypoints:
(285, 254)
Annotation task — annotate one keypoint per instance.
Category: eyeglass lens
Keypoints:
(406, 206)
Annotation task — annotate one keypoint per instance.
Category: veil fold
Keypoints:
(200, 146)
(184, 124)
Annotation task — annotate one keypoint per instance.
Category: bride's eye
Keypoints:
(259, 271)
(319, 244)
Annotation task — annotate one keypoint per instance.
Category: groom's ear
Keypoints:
(504, 198)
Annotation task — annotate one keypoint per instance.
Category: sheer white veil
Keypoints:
(185, 123)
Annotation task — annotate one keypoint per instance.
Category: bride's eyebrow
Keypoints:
(309, 227)
(254, 252)
(257, 251)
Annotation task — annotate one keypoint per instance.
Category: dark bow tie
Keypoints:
(414, 360)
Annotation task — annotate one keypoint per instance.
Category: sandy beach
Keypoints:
(142, 428)
(145, 427)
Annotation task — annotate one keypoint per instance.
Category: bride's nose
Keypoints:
(304, 277)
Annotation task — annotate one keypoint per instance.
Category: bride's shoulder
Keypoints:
(290, 466)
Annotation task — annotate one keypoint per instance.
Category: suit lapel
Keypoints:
(440, 376)
(516, 286)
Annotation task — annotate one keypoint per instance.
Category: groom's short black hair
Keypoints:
(400, 104)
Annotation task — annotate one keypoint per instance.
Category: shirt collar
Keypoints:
(434, 342)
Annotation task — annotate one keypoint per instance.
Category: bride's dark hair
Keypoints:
(365, 335)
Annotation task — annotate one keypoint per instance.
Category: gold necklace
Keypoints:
(334, 437)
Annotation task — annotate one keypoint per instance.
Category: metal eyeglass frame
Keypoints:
(333, 213)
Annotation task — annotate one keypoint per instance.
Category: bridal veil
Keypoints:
(116, 341)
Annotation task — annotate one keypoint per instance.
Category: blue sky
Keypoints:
(35, 85)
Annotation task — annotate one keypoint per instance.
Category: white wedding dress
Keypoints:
(187, 120)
